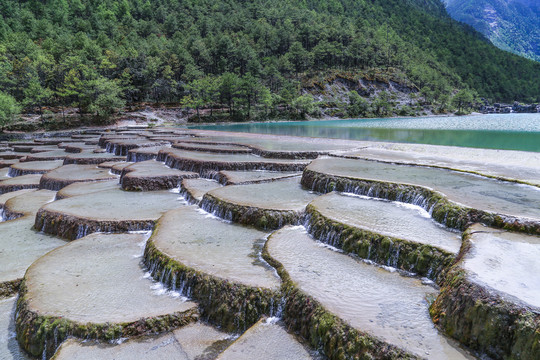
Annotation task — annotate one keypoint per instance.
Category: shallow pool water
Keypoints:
(194, 341)
(399, 220)
(383, 303)
(9, 348)
(105, 284)
(507, 262)
(285, 194)
(471, 190)
(200, 241)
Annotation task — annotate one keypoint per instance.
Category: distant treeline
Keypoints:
(238, 54)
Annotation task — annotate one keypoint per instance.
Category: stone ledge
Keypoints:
(232, 306)
(323, 330)
(422, 259)
(483, 319)
(441, 209)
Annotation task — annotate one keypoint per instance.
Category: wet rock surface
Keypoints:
(505, 261)
(489, 300)
(202, 162)
(87, 158)
(193, 190)
(9, 348)
(116, 167)
(284, 147)
(217, 148)
(367, 290)
(121, 147)
(194, 341)
(152, 175)
(20, 244)
(513, 165)
(34, 167)
(4, 173)
(145, 153)
(59, 154)
(389, 233)
(269, 205)
(125, 304)
(69, 174)
(453, 198)
(217, 264)
(385, 305)
(204, 243)
(83, 188)
(111, 211)
(5, 197)
(253, 177)
(19, 183)
(266, 341)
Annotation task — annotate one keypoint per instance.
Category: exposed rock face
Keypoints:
(511, 25)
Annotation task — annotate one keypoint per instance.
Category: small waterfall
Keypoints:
(82, 231)
(382, 250)
(55, 334)
(394, 255)
(14, 172)
(133, 156)
(435, 204)
(173, 282)
(276, 310)
(6, 215)
(44, 353)
(243, 304)
(210, 206)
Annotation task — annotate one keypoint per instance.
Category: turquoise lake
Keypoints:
(504, 131)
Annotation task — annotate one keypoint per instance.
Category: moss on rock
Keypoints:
(9, 288)
(423, 259)
(72, 227)
(441, 209)
(250, 215)
(483, 319)
(323, 330)
(40, 335)
(233, 306)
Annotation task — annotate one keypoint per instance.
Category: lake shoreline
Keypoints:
(494, 131)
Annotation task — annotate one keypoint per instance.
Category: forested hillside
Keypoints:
(242, 55)
(512, 25)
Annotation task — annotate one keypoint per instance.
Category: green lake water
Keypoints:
(505, 131)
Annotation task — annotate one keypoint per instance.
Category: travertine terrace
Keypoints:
(191, 244)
